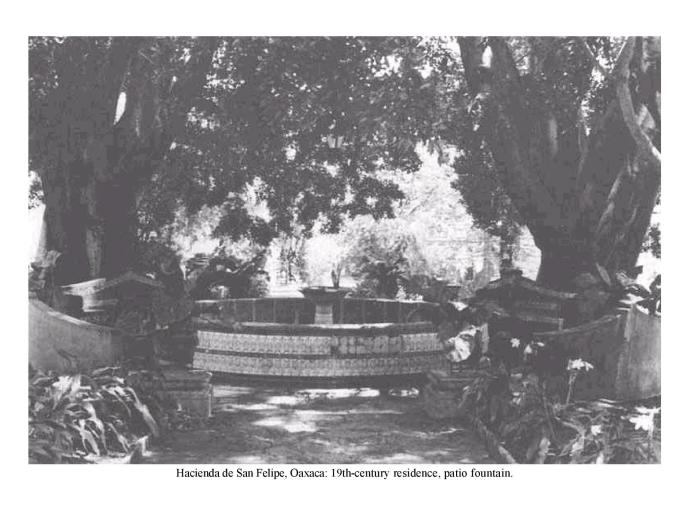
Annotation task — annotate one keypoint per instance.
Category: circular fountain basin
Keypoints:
(277, 338)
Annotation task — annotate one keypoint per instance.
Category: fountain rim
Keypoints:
(270, 327)
(316, 293)
(338, 329)
(371, 299)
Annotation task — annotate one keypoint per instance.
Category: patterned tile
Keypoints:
(393, 354)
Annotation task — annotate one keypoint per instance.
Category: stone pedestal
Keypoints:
(191, 390)
(324, 313)
(324, 298)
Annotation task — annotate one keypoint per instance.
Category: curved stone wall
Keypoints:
(59, 342)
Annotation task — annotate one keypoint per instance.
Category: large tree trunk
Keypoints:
(118, 204)
(560, 264)
(64, 227)
(587, 200)
(93, 157)
(93, 226)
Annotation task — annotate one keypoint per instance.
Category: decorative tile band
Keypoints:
(323, 367)
(305, 356)
(317, 345)
(317, 356)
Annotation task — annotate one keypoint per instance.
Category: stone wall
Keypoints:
(598, 343)
(61, 343)
(638, 374)
(623, 348)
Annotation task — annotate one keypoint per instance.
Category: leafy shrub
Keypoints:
(537, 428)
(227, 273)
(579, 432)
(522, 390)
(595, 432)
(72, 418)
(378, 255)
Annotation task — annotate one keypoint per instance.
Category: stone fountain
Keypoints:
(325, 298)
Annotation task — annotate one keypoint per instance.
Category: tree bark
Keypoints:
(93, 226)
(95, 165)
(560, 264)
(584, 205)
(64, 227)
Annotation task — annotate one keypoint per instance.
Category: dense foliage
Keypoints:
(222, 275)
(444, 240)
(378, 256)
(75, 417)
(301, 123)
(107, 414)
(541, 128)
(572, 127)
(524, 393)
(536, 427)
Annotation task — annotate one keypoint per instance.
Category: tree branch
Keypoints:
(499, 93)
(471, 51)
(624, 96)
(592, 57)
(186, 90)
(122, 49)
(603, 149)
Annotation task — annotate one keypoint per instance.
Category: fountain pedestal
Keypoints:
(325, 298)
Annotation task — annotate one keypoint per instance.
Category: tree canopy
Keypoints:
(572, 127)
(125, 132)
(190, 122)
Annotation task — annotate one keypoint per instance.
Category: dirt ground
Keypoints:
(277, 425)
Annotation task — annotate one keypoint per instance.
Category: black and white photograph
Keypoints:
(376, 253)
(395, 254)
(344, 250)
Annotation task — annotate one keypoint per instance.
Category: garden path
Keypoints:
(275, 425)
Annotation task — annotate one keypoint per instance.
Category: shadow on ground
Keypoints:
(282, 425)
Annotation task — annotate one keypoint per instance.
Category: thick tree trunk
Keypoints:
(560, 264)
(116, 226)
(93, 228)
(587, 204)
(94, 157)
(623, 225)
(64, 228)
